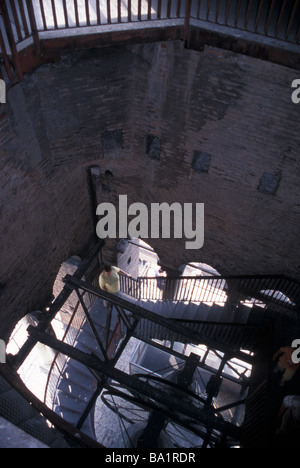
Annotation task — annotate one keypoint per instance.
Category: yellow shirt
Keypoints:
(110, 282)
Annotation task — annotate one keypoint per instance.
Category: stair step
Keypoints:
(86, 344)
(72, 375)
(73, 418)
(202, 313)
(89, 334)
(71, 388)
(215, 313)
(98, 313)
(184, 311)
(70, 416)
(74, 390)
(81, 368)
(70, 403)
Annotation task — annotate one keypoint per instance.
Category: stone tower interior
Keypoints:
(175, 101)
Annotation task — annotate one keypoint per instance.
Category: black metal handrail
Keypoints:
(253, 289)
(24, 23)
(271, 18)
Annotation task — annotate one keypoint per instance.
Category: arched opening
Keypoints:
(198, 269)
(137, 258)
(197, 287)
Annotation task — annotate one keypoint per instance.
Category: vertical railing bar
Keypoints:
(129, 11)
(119, 12)
(16, 20)
(33, 24)
(208, 9)
(178, 8)
(187, 290)
(212, 290)
(98, 12)
(184, 286)
(5, 58)
(227, 11)
(176, 290)
(275, 288)
(280, 18)
(183, 289)
(292, 17)
(76, 13)
(168, 8)
(87, 12)
(187, 22)
(54, 14)
(199, 9)
(66, 13)
(159, 9)
(140, 10)
(199, 289)
(218, 11)
(142, 289)
(108, 12)
(179, 288)
(193, 289)
(269, 16)
(217, 289)
(23, 16)
(149, 9)
(258, 16)
(206, 290)
(248, 14)
(237, 14)
(43, 15)
(11, 41)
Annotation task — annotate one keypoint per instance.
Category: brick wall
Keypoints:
(237, 110)
(108, 107)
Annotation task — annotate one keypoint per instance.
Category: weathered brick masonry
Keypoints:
(108, 106)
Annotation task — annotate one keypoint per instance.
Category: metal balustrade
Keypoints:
(241, 340)
(273, 290)
(26, 23)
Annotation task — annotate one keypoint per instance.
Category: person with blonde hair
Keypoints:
(109, 280)
(285, 363)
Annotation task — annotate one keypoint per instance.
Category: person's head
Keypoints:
(107, 270)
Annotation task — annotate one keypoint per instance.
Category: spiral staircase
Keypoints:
(88, 341)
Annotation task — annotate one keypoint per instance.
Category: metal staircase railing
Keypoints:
(238, 340)
(262, 290)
